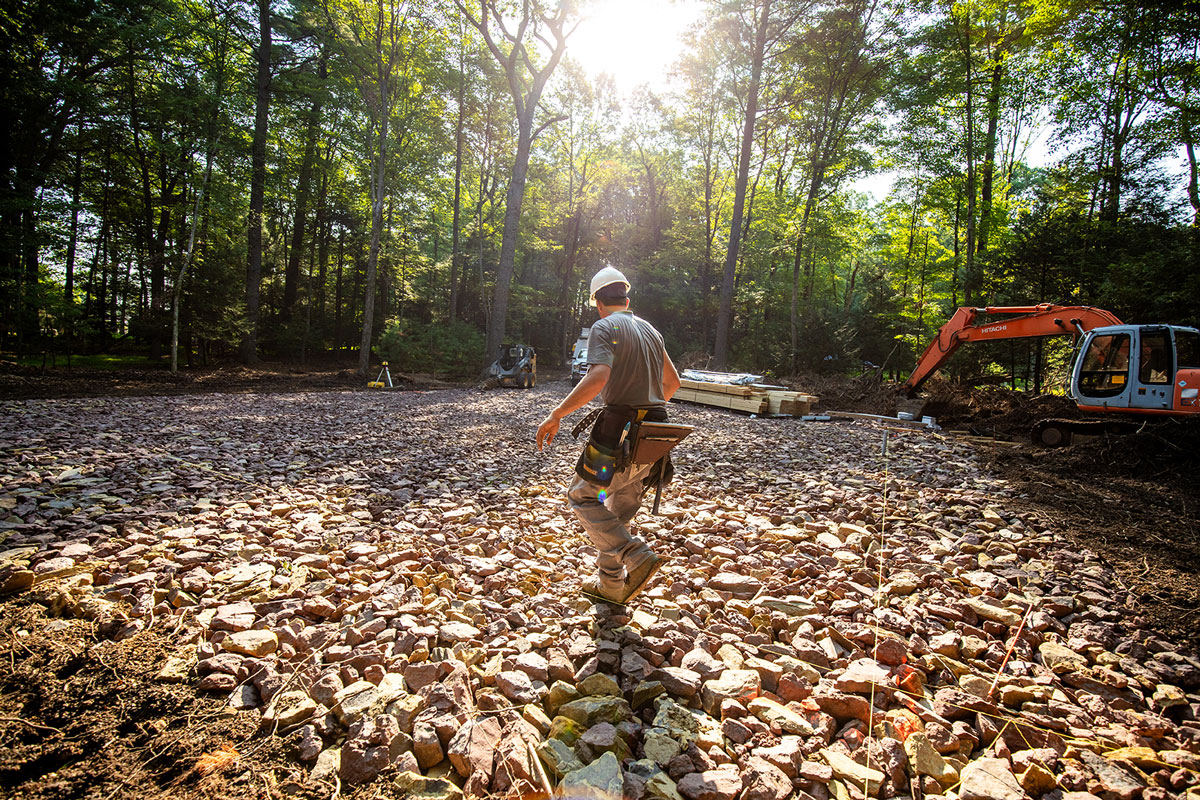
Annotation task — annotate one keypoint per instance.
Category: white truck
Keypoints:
(579, 357)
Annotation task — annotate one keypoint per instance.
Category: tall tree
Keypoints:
(258, 179)
(760, 31)
(214, 97)
(53, 58)
(1001, 34)
(459, 134)
(841, 61)
(1103, 105)
(704, 126)
(589, 112)
(291, 278)
(519, 35)
(385, 45)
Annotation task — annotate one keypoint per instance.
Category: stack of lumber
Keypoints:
(789, 404)
(751, 398)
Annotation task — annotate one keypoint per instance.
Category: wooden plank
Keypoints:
(749, 405)
(705, 398)
(717, 388)
(753, 391)
(787, 403)
(908, 423)
(795, 408)
(793, 395)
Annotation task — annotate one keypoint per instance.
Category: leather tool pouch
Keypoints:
(607, 449)
(654, 440)
(598, 464)
(625, 436)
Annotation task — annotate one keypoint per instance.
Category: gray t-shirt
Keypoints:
(634, 350)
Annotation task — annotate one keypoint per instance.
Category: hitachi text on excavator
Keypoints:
(1128, 371)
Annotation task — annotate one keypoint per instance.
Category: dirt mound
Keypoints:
(1166, 453)
(987, 412)
(867, 394)
(992, 412)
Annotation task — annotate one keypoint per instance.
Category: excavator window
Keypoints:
(1187, 349)
(1155, 365)
(1105, 368)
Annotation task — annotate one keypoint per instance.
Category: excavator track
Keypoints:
(1062, 432)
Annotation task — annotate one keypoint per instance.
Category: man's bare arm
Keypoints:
(584, 392)
(670, 378)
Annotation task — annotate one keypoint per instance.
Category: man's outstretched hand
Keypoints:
(547, 431)
(583, 393)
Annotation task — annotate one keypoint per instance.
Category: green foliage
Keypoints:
(454, 350)
(115, 107)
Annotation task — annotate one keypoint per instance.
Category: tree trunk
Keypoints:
(725, 313)
(455, 251)
(508, 246)
(1123, 116)
(323, 234)
(337, 293)
(258, 179)
(377, 194)
(158, 262)
(291, 276)
(29, 246)
(1193, 186)
(187, 256)
(96, 299)
(849, 299)
(972, 282)
(525, 84)
(72, 242)
(149, 240)
(710, 233)
(989, 154)
(566, 314)
(810, 203)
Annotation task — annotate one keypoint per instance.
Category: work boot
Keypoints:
(639, 577)
(592, 587)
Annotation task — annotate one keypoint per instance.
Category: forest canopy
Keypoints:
(208, 180)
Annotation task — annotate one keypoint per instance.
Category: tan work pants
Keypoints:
(605, 513)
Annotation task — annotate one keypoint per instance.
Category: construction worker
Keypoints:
(628, 367)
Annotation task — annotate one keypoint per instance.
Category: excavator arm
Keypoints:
(1032, 321)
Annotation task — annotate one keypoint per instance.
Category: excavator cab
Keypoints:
(1142, 368)
(1136, 370)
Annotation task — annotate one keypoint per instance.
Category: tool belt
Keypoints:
(622, 437)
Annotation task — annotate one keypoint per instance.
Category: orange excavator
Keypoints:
(1134, 371)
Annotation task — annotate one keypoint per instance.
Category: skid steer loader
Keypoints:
(516, 367)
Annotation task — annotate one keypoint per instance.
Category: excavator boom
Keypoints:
(1045, 319)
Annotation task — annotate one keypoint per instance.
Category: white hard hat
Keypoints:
(607, 277)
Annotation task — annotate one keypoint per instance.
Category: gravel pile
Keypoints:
(391, 580)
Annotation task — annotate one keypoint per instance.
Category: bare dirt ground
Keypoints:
(83, 716)
(1135, 499)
